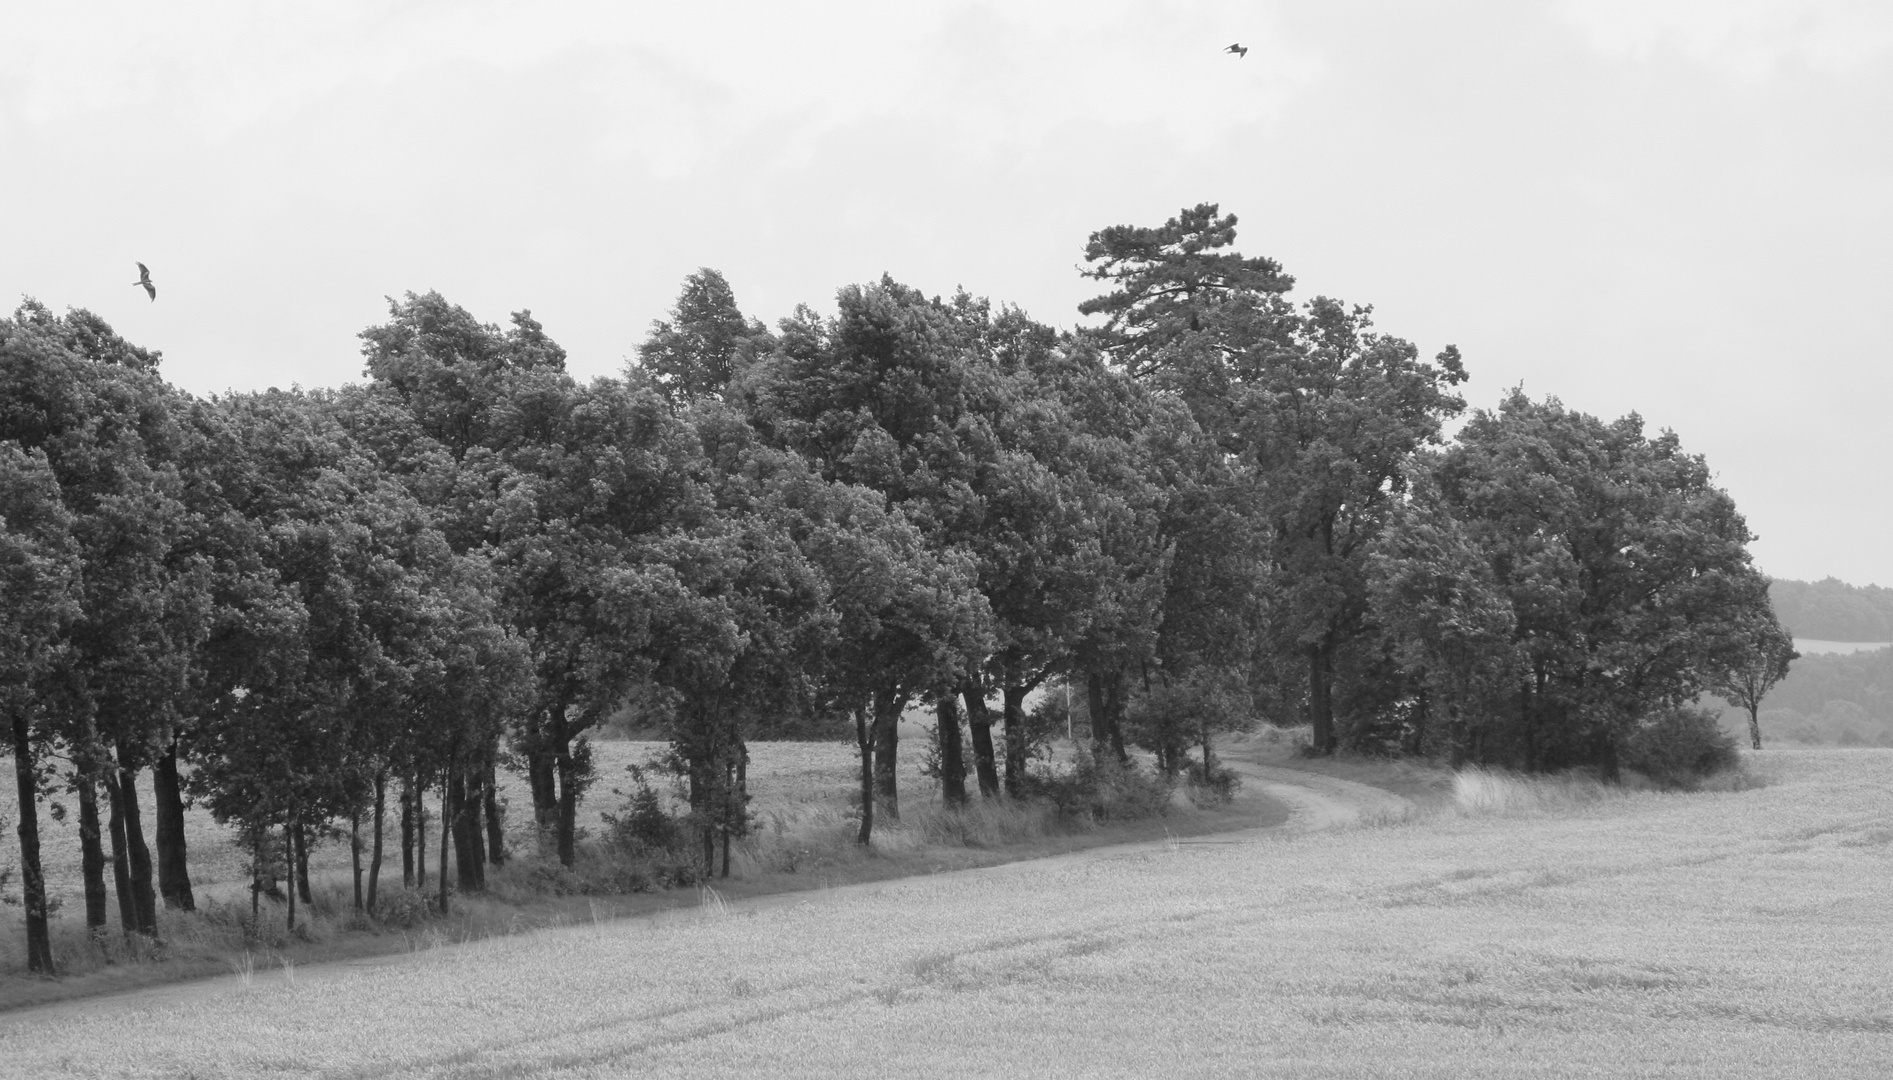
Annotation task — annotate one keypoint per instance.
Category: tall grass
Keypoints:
(1479, 791)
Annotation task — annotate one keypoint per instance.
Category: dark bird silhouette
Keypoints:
(144, 278)
(1239, 49)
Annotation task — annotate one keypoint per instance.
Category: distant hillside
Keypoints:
(1831, 700)
(1832, 610)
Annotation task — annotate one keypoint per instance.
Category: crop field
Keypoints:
(1743, 933)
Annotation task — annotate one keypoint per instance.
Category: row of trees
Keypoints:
(1216, 504)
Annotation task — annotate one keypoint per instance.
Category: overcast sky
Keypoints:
(1678, 207)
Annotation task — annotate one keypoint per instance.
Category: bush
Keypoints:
(645, 826)
(1680, 747)
(1101, 789)
(1215, 789)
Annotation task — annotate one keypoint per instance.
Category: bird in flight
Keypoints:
(144, 279)
(1239, 49)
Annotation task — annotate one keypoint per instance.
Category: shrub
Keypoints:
(1679, 747)
(405, 908)
(1102, 789)
(645, 825)
(1215, 789)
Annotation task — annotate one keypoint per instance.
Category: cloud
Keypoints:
(678, 78)
(1747, 39)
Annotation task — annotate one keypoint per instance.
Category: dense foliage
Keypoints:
(1832, 610)
(1219, 505)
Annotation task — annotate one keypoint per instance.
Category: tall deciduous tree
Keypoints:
(1760, 661)
(693, 354)
(1626, 568)
(39, 576)
(1324, 410)
(110, 430)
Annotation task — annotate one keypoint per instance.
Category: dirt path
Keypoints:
(1315, 803)
(1322, 802)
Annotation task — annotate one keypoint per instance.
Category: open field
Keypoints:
(1743, 933)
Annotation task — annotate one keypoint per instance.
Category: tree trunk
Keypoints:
(1609, 765)
(1012, 697)
(144, 894)
(301, 864)
(1415, 741)
(289, 854)
(407, 832)
(91, 849)
(256, 876)
(174, 877)
(952, 757)
(1321, 697)
(39, 941)
(1755, 725)
(381, 813)
(541, 769)
(446, 828)
(568, 804)
(420, 834)
(495, 816)
(888, 706)
(980, 722)
(469, 850)
(355, 855)
(866, 743)
(729, 812)
(121, 859)
(1104, 700)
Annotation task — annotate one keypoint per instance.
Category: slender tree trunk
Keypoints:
(121, 858)
(866, 743)
(952, 757)
(729, 811)
(256, 875)
(91, 849)
(1416, 737)
(888, 706)
(495, 816)
(469, 852)
(381, 813)
(1755, 725)
(1321, 697)
(1104, 700)
(446, 828)
(355, 855)
(979, 722)
(144, 894)
(1012, 698)
(420, 834)
(289, 854)
(174, 877)
(568, 804)
(1608, 763)
(39, 941)
(301, 864)
(541, 771)
(407, 832)
(1209, 755)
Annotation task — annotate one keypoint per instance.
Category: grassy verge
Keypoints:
(804, 840)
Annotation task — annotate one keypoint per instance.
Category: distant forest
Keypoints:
(1832, 610)
(1826, 698)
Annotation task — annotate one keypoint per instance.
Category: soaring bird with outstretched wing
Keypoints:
(144, 279)
(1239, 49)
